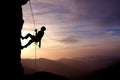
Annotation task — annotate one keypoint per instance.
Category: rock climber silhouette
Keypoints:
(34, 38)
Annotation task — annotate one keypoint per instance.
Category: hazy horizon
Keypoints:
(75, 68)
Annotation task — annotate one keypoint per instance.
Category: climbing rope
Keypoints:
(35, 28)
(32, 14)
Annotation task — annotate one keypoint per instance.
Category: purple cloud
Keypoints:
(70, 40)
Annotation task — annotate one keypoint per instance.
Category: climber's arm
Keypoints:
(35, 31)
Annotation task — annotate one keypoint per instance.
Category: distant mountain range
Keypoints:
(74, 68)
(43, 75)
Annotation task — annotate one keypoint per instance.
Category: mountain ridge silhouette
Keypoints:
(74, 69)
(43, 75)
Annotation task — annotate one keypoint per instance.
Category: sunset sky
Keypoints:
(75, 28)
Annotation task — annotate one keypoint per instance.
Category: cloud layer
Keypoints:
(76, 22)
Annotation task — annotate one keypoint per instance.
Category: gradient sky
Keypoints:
(75, 28)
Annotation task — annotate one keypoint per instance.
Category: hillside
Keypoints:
(73, 69)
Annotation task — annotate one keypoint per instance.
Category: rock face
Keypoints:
(19, 25)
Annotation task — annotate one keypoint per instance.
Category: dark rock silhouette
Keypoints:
(109, 73)
(19, 24)
(44, 76)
